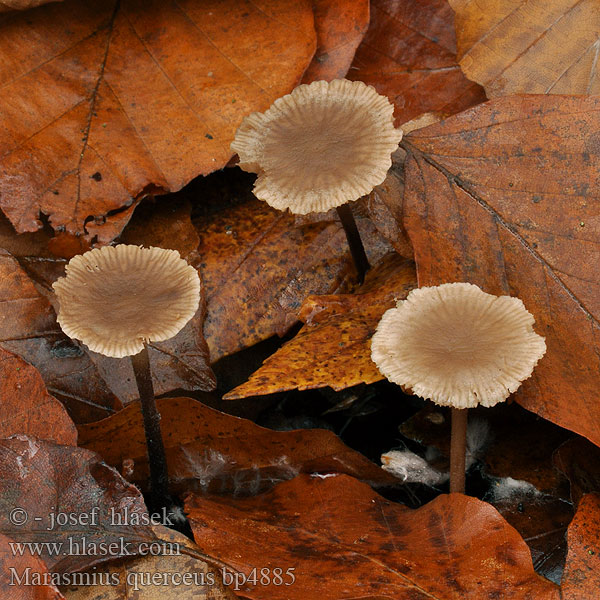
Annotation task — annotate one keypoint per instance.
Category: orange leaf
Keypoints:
(333, 348)
(505, 195)
(210, 450)
(409, 55)
(342, 540)
(528, 46)
(105, 101)
(27, 407)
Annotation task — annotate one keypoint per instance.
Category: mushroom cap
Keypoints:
(456, 345)
(116, 298)
(325, 144)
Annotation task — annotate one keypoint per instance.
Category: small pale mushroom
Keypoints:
(116, 299)
(320, 147)
(459, 347)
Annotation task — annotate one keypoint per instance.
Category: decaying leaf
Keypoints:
(333, 347)
(342, 540)
(409, 55)
(506, 196)
(211, 451)
(40, 479)
(579, 460)
(105, 101)
(341, 26)
(581, 580)
(28, 328)
(258, 265)
(530, 46)
(7, 5)
(27, 407)
(179, 573)
(14, 569)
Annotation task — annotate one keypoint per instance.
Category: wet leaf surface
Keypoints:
(106, 101)
(409, 55)
(581, 580)
(27, 407)
(211, 451)
(505, 195)
(41, 479)
(528, 47)
(333, 347)
(342, 539)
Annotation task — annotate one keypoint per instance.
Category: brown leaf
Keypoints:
(259, 264)
(210, 450)
(505, 196)
(40, 480)
(345, 541)
(579, 460)
(13, 569)
(333, 348)
(581, 580)
(341, 26)
(528, 47)
(7, 5)
(106, 101)
(178, 573)
(27, 407)
(409, 55)
(28, 328)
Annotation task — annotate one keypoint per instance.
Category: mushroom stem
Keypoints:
(357, 249)
(458, 447)
(157, 460)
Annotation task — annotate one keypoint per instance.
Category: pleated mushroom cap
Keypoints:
(325, 144)
(458, 346)
(113, 299)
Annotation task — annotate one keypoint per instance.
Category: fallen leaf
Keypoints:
(341, 26)
(409, 55)
(40, 480)
(14, 567)
(505, 196)
(27, 407)
(333, 348)
(579, 460)
(528, 46)
(211, 451)
(107, 101)
(28, 328)
(259, 264)
(342, 540)
(581, 580)
(178, 573)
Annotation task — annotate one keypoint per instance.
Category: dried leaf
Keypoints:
(345, 541)
(28, 328)
(27, 407)
(40, 479)
(259, 264)
(333, 348)
(579, 460)
(529, 46)
(14, 567)
(409, 55)
(581, 580)
(210, 450)
(505, 196)
(105, 101)
(178, 573)
(341, 26)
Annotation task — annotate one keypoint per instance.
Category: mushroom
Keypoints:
(116, 299)
(460, 347)
(323, 145)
